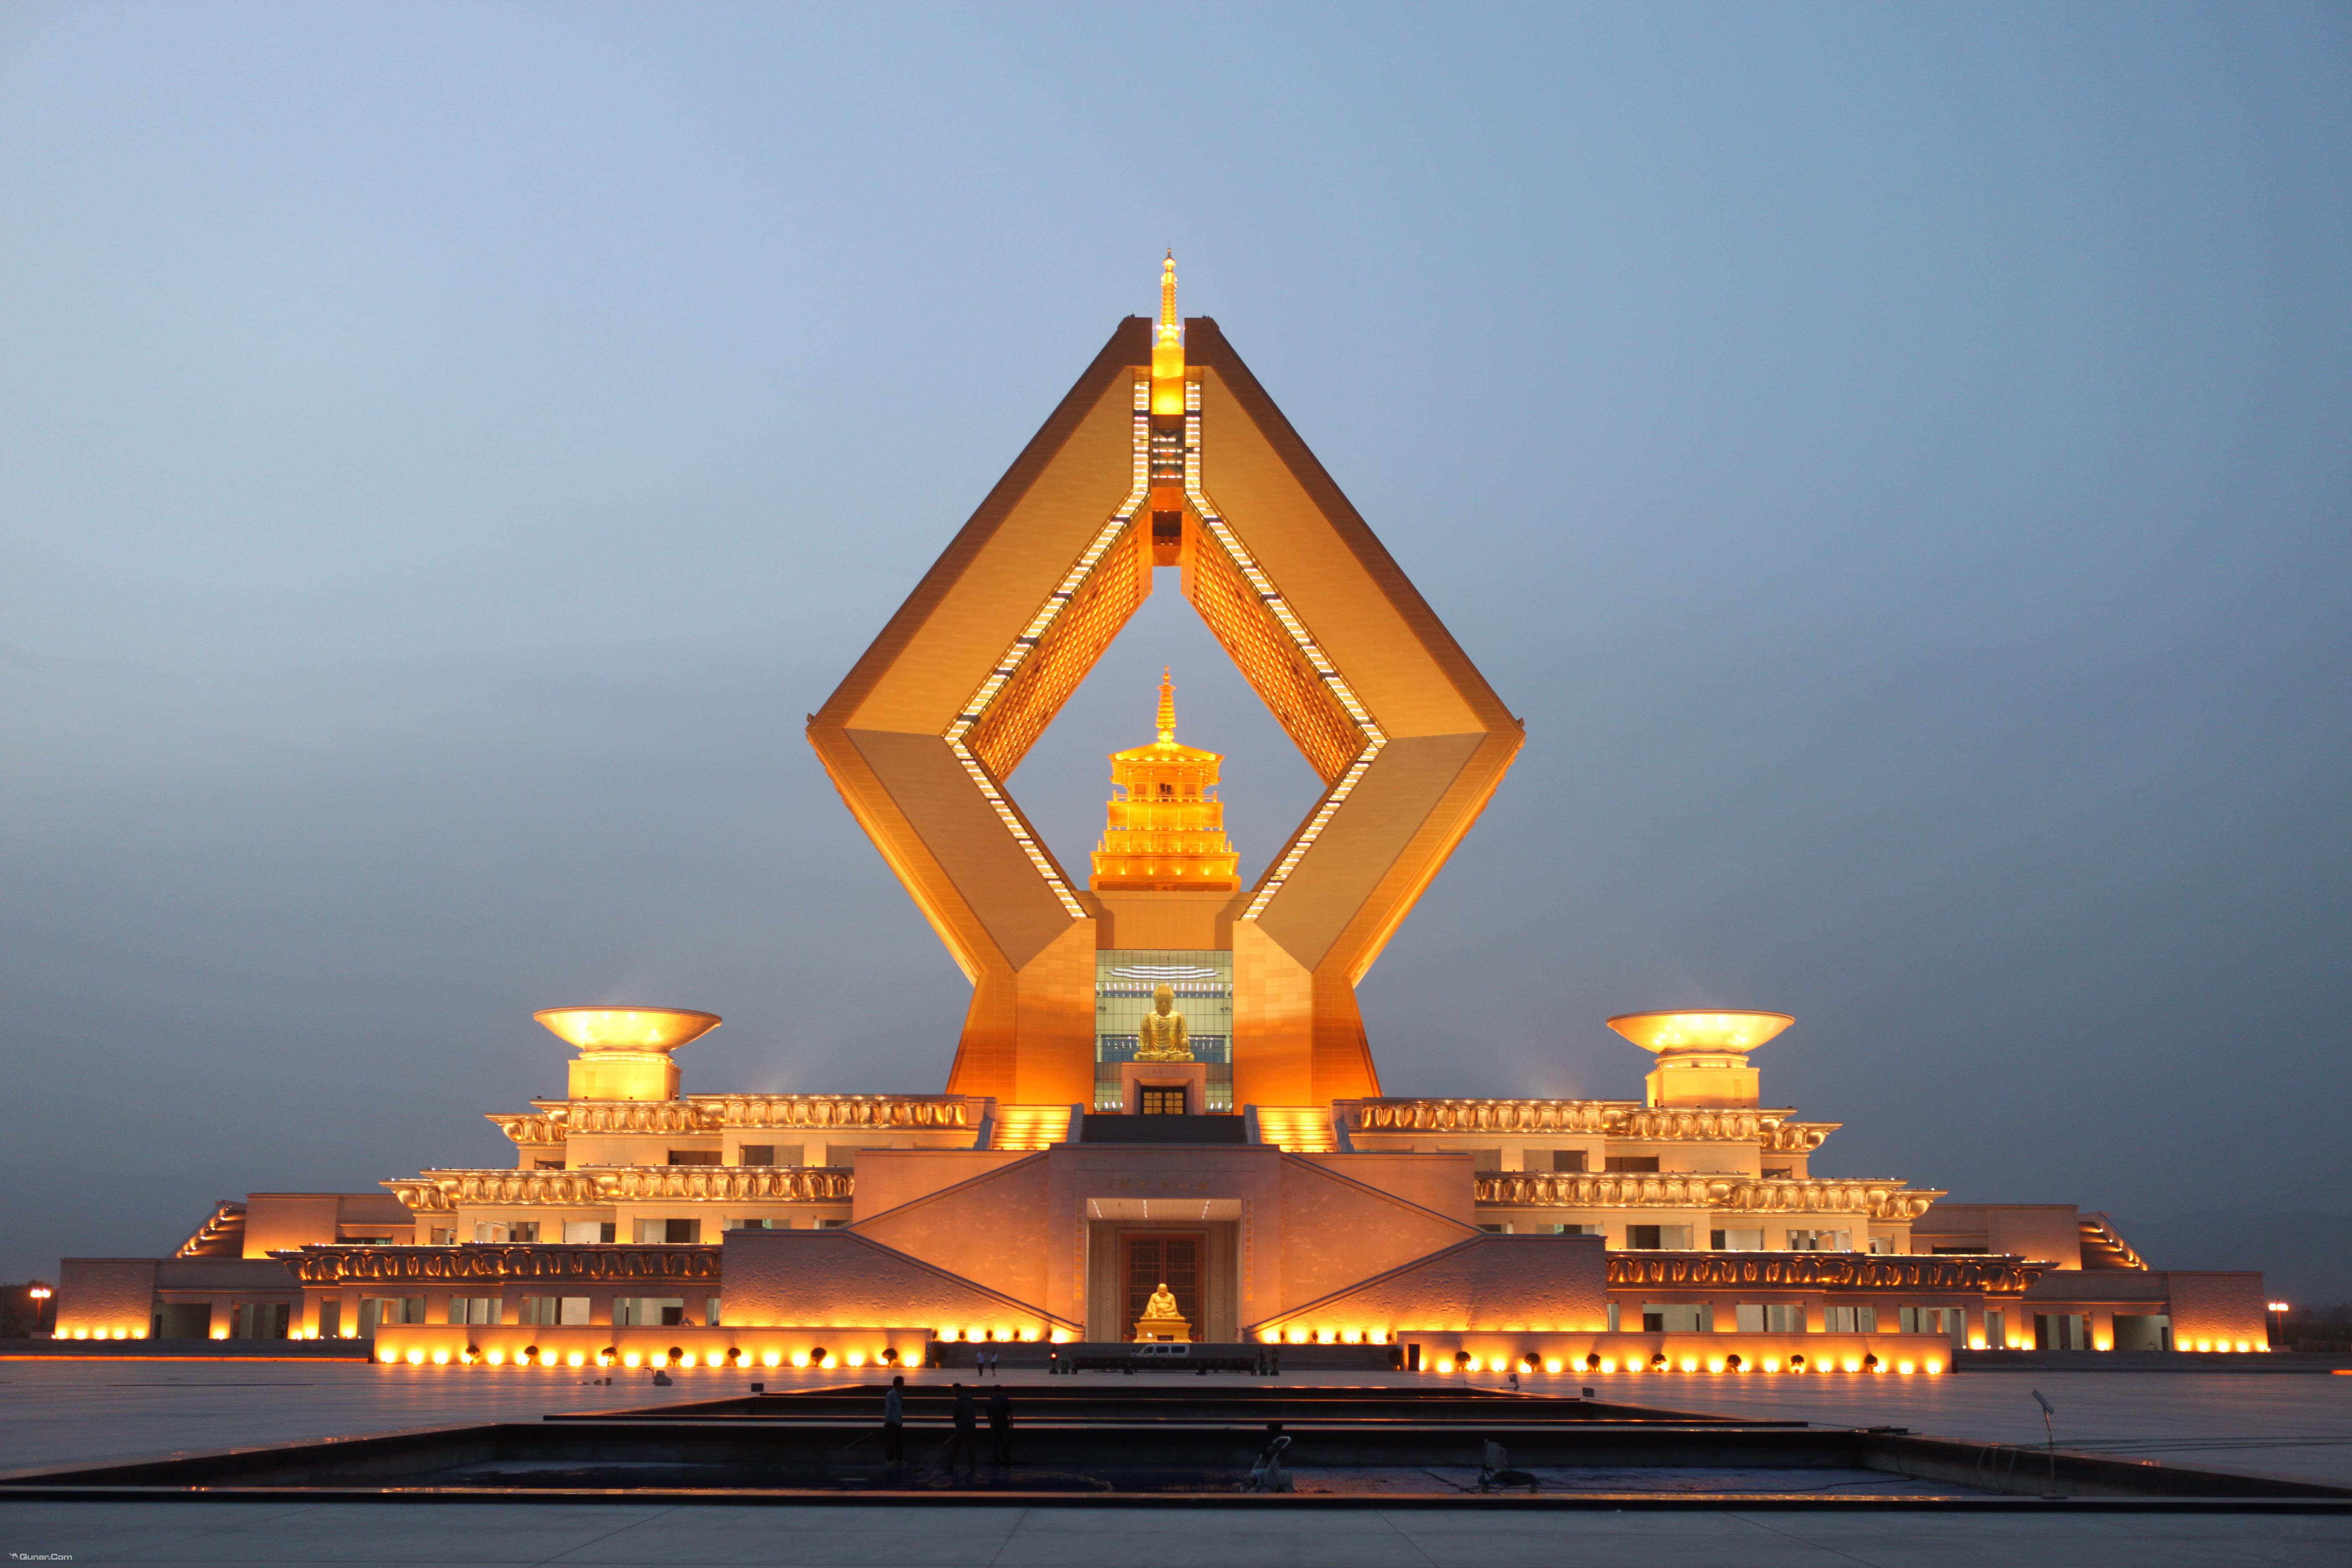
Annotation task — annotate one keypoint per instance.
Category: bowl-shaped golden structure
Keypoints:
(627, 1028)
(1700, 1031)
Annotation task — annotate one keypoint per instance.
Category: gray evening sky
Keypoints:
(1894, 458)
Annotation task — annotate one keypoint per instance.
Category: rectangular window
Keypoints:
(1577, 1230)
(499, 1230)
(694, 1156)
(757, 1154)
(443, 1235)
(741, 1223)
(1559, 1159)
(1769, 1318)
(474, 1309)
(832, 1224)
(1496, 1229)
(1482, 1161)
(710, 1310)
(666, 1231)
(1612, 1317)
(555, 1164)
(553, 1311)
(1736, 1240)
(2060, 1331)
(1820, 1241)
(1678, 1317)
(1852, 1320)
(331, 1320)
(1778, 1172)
(1652, 1237)
(376, 1311)
(1630, 1163)
(186, 1321)
(649, 1312)
(258, 1320)
(1996, 1330)
(586, 1232)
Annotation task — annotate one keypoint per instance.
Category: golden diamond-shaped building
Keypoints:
(1167, 452)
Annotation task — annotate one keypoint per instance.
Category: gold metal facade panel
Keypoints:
(989, 582)
(1362, 842)
(961, 834)
(1183, 922)
(1350, 600)
(1302, 569)
(1054, 998)
(1274, 1022)
(1426, 854)
(1095, 615)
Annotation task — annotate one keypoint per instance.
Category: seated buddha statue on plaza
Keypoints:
(1161, 1322)
(1163, 1037)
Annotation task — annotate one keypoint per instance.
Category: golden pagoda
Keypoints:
(1164, 830)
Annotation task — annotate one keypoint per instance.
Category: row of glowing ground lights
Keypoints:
(1733, 1364)
(1026, 644)
(735, 1359)
(1300, 639)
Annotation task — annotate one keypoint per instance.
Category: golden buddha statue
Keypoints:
(1162, 1037)
(1161, 1322)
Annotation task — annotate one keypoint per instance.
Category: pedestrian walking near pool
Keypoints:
(999, 1427)
(894, 1424)
(963, 1448)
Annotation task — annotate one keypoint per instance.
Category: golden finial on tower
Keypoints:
(1168, 347)
(1169, 323)
(1167, 704)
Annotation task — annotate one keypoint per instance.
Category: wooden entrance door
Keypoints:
(1152, 1257)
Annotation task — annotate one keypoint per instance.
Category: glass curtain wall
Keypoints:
(1202, 981)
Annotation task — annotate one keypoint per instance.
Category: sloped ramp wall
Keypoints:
(1532, 1283)
(1341, 1228)
(821, 1278)
(989, 1228)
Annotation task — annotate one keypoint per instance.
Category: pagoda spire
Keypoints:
(1164, 828)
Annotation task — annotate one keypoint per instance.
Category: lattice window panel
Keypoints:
(1096, 615)
(1298, 697)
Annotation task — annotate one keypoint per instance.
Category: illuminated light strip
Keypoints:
(1302, 639)
(1032, 634)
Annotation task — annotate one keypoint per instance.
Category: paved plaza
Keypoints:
(54, 1413)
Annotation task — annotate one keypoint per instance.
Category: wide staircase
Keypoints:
(1299, 1129)
(2105, 1247)
(1031, 1126)
(221, 1235)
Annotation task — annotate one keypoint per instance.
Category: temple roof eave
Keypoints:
(1888, 1200)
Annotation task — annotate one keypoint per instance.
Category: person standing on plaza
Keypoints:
(894, 1424)
(999, 1427)
(963, 1448)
